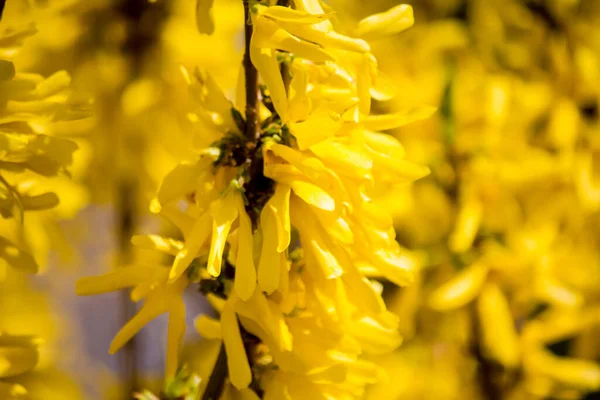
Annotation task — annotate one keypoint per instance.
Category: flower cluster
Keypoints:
(33, 162)
(506, 302)
(277, 220)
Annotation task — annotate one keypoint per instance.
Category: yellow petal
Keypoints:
(120, 278)
(326, 38)
(383, 88)
(268, 35)
(350, 159)
(300, 104)
(581, 374)
(384, 144)
(245, 271)
(461, 289)
(287, 14)
(280, 204)
(195, 239)
(392, 21)
(216, 302)
(361, 288)
(237, 361)
(315, 129)
(313, 195)
(363, 86)
(314, 243)
(336, 226)
(394, 266)
(208, 327)
(265, 61)
(141, 291)
(402, 168)
(268, 267)
(178, 182)
(555, 292)
(224, 212)
(467, 225)
(156, 304)
(500, 338)
(156, 242)
(385, 122)
(176, 330)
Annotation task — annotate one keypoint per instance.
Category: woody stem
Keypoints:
(251, 76)
(216, 381)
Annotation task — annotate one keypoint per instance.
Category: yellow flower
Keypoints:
(148, 283)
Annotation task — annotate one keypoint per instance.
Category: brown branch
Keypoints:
(251, 79)
(216, 381)
(486, 370)
(126, 221)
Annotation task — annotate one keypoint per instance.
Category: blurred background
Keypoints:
(505, 230)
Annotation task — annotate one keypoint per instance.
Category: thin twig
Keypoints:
(216, 381)
(251, 78)
(126, 223)
(486, 370)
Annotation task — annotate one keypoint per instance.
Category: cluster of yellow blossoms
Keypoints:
(506, 302)
(279, 227)
(33, 162)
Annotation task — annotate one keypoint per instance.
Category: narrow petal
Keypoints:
(224, 213)
(461, 289)
(467, 224)
(313, 195)
(581, 374)
(315, 129)
(268, 267)
(363, 86)
(265, 61)
(384, 144)
(208, 327)
(155, 305)
(269, 35)
(176, 330)
(120, 278)
(156, 242)
(245, 271)
(237, 360)
(194, 242)
(178, 182)
(392, 21)
(326, 38)
(300, 104)
(500, 338)
(280, 204)
(386, 122)
(287, 14)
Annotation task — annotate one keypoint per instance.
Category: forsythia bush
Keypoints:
(371, 211)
